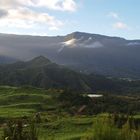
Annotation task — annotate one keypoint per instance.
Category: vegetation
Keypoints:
(105, 129)
(66, 115)
(25, 101)
(73, 128)
(18, 131)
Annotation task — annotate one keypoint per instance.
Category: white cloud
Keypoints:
(26, 18)
(120, 25)
(62, 5)
(114, 15)
(25, 14)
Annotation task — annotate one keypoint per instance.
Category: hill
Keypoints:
(41, 72)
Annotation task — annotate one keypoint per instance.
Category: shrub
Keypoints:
(17, 131)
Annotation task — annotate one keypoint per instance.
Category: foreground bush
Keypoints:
(19, 131)
(105, 129)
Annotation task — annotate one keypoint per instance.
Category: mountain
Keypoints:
(84, 52)
(41, 72)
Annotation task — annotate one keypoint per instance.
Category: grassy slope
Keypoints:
(19, 102)
(16, 102)
(66, 128)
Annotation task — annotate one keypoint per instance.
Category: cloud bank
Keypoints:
(27, 14)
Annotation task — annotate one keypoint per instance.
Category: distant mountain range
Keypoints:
(84, 52)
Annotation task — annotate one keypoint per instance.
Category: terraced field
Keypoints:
(27, 101)
(55, 124)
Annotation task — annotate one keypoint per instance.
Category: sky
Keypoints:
(61, 17)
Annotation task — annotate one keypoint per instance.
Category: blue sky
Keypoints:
(60, 17)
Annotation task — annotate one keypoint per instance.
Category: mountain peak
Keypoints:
(76, 35)
(40, 60)
(83, 35)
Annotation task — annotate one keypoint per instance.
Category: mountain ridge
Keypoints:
(72, 33)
